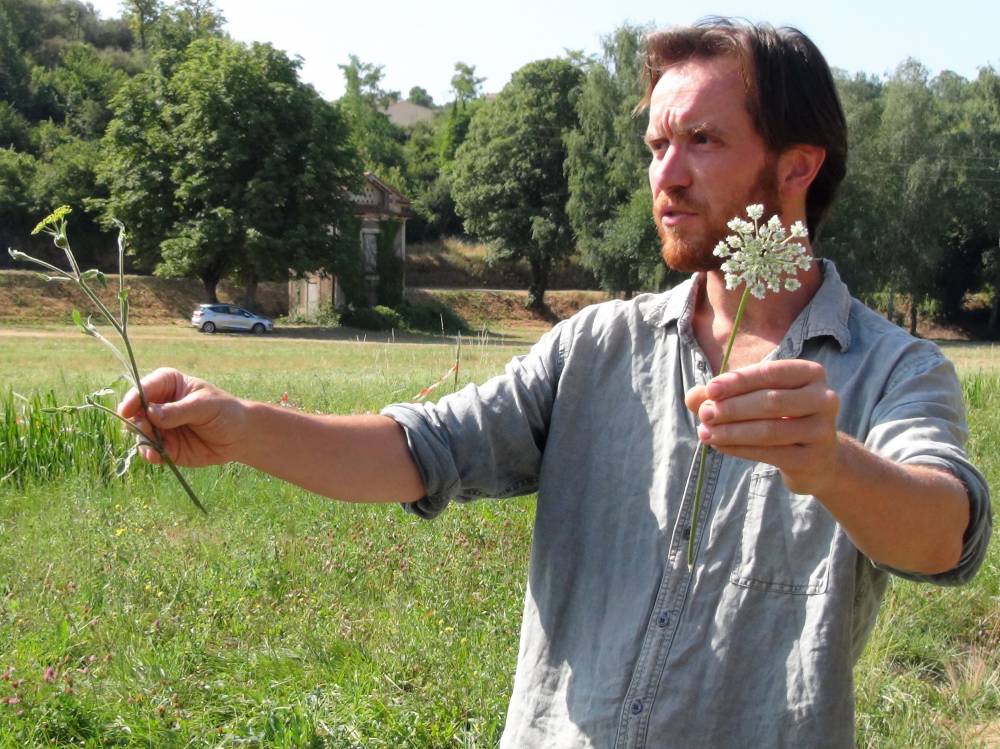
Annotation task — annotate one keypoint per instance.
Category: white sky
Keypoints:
(418, 43)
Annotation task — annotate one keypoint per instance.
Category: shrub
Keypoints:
(431, 316)
(373, 318)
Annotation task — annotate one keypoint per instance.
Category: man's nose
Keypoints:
(669, 170)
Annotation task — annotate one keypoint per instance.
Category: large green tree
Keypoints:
(509, 184)
(378, 142)
(230, 165)
(610, 205)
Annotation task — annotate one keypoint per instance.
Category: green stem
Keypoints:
(703, 452)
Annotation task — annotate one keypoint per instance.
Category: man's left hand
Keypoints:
(779, 412)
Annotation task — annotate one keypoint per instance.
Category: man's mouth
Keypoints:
(674, 216)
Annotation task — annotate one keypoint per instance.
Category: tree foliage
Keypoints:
(609, 206)
(508, 178)
(229, 166)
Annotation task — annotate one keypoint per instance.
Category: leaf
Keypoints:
(78, 320)
(121, 468)
(102, 392)
(93, 273)
(46, 277)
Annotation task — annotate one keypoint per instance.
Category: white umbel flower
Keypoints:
(763, 256)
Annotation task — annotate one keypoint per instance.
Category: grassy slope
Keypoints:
(286, 620)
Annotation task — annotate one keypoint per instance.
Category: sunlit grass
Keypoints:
(286, 620)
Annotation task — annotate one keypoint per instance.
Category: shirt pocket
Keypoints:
(786, 542)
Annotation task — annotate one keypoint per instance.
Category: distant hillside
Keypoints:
(26, 298)
(452, 263)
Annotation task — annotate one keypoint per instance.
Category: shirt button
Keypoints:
(686, 533)
(663, 619)
(636, 707)
(701, 365)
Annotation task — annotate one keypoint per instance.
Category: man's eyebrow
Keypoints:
(653, 132)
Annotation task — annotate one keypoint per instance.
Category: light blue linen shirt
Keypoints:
(621, 644)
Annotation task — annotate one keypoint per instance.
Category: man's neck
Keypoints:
(765, 321)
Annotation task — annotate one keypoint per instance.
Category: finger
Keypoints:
(766, 432)
(695, 397)
(161, 385)
(784, 374)
(193, 409)
(771, 403)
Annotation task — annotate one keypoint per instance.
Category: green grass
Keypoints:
(285, 620)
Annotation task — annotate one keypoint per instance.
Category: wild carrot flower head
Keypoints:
(53, 218)
(763, 256)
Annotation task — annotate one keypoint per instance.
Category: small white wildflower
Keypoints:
(763, 256)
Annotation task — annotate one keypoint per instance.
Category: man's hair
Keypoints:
(790, 93)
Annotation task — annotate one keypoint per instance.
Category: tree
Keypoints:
(508, 180)
(142, 16)
(465, 84)
(911, 143)
(856, 232)
(418, 95)
(229, 166)
(606, 167)
(378, 142)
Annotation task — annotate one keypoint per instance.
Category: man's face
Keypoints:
(708, 162)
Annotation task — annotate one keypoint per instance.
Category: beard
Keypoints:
(692, 252)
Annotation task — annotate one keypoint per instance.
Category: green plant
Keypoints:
(763, 258)
(55, 226)
(432, 316)
(373, 318)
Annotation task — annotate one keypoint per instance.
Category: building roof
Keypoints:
(378, 198)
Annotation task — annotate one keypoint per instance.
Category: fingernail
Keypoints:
(706, 413)
(155, 410)
(704, 433)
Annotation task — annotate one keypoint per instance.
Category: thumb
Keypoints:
(187, 411)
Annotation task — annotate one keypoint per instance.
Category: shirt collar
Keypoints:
(826, 315)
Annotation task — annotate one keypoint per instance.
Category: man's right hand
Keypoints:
(200, 424)
(363, 458)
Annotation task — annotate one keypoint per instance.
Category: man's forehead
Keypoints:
(697, 91)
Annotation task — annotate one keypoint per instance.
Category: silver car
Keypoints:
(209, 318)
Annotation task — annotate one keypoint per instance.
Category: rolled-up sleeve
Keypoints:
(484, 440)
(921, 421)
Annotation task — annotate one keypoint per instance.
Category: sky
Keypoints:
(418, 43)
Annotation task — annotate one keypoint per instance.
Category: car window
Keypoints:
(222, 309)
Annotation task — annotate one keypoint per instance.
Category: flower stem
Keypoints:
(703, 452)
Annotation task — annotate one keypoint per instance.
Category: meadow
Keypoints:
(282, 619)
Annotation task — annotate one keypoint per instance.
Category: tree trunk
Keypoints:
(210, 282)
(250, 290)
(995, 314)
(915, 302)
(890, 307)
(539, 283)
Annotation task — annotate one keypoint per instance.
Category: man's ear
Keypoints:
(798, 166)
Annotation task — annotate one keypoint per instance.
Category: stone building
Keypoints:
(381, 212)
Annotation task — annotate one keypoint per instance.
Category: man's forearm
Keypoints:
(353, 458)
(911, 518)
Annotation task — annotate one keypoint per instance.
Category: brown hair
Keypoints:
(791, 96)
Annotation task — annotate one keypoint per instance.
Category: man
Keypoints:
(837, 446)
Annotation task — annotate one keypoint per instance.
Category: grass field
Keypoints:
(286, 620)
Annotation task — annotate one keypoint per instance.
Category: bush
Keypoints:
(431, 316)
(373, 318)
(426, 317)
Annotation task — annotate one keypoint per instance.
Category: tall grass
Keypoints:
(38, 443)
(282, 619)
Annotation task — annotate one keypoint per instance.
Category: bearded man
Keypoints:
(836, 446)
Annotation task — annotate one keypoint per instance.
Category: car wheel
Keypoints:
(258, 328)
(208, 327)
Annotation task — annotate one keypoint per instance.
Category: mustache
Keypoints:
(676, 200)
